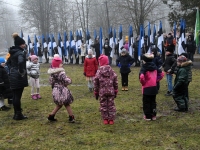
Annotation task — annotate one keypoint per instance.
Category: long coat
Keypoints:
(17, 66)
(90, 66)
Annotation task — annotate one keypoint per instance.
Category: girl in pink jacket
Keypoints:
(149, 76)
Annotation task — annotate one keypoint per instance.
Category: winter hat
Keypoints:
(124, 50)
(90, 51)
(56, 55)
(17, 40)
(184, 54)
(148, 57)
(103, 60)
(182, 59)
(2, 60)
(33, 57)
(170, 48)
(56, 62)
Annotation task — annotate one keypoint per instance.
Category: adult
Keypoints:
(191, 47)
(18, 76)
(96, 46)
(90, 69)
(107, 49)
(135, 46)
(40, 53)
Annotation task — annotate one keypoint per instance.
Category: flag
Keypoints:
(53, 45)
(72, 44)
(66, 45)
(160, 38)
(149, 38)
(60, 45)
(22, 35)
(140, 42)
(130, 40)
(114, 37)
(44, 43)
(197, 28)
(89, 40)
(174, 30)
(111, 43)
(120, 38)
(100, 39)
(30, 45)
(95, 34)
(181, 42)
(154, 34)
(49, 44)
(35, 46)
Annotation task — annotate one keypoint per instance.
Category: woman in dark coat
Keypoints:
(96, 46)
(18, 76)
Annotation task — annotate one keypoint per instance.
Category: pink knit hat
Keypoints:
(56, 62)
(103, 60)
(33, 57)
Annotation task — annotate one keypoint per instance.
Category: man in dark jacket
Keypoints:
(191, 47)
(107, 49)
(135, 46)
(96, 46)
(18, 75)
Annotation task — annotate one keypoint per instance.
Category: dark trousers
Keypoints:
(83, 59)
(17, 94)
(186, 92)
(158, 85)
(137, 62)
(124, 79)
(191, 56)
(46, 57)
(149, 105)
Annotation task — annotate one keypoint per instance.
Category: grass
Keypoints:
(171, 131)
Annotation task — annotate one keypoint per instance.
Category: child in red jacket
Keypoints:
(149, 76)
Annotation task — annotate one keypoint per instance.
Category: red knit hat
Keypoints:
(182, 59)
(103, 60)
(56, 62)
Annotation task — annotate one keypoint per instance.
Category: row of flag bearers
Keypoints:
(68, 48)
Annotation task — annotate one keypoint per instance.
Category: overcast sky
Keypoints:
(12, 3)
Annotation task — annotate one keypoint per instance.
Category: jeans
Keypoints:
(169, 82)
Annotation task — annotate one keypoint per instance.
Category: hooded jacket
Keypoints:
(105, 81)
(90, 66)
(17, 66)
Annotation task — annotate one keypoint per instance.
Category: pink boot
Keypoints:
(38, 96)
(34, 97)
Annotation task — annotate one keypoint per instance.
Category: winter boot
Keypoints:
(34, 97)
(71, 119)
(38, 96)
(123, 88)
(19, 116)
(51, 118)
(111, 122)
(105, 121)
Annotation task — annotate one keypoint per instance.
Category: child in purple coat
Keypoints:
(106, 87)
(149, 76)
(61, 94)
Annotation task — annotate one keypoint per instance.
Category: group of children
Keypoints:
(103, 81)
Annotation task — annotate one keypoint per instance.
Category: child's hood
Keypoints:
(106, 71)
(54, 70)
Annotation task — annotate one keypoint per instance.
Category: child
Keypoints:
(33, 70)
(4, 85)
(124, 62)
(106, 87)
(169, 66)
(61, 94)
(181, 84)
(90, 68)
(148, 77)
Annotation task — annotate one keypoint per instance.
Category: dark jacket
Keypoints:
(124, 62)
(40, 52)
(169, 64)
(4, 84)
(191, 46)
(96, 46)
(107, 49)
(17, 66)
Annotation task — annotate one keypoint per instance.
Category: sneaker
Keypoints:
(105, 121)
(4, 108)
(153, 118)
(34, 97)
(51, 118)
(147, 119)
(38, 96)
(111, 122)
(71, 119)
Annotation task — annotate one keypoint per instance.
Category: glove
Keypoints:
(129, 65)
(84, 74)
(119, 65)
